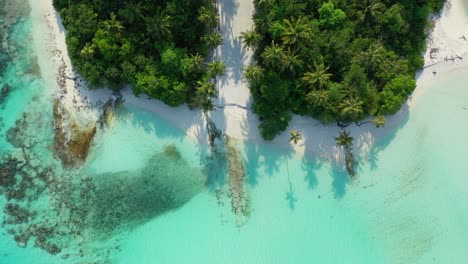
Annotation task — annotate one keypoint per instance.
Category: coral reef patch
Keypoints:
(72, 139)
(75, 214)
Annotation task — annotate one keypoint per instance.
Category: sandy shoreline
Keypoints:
(239, 122)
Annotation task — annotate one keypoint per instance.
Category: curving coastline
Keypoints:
(237, 120)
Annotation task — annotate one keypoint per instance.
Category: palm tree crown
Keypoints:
(296, 30)
(295, 136)
(159, 25)
(318, 78)
(379, 121)
(351, 108)
(216, 68)
(274, 55)
(251, 39)
(253, 73)
(343, 140)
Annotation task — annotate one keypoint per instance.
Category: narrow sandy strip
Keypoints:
(234, 116)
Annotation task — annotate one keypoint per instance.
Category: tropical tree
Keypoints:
(344, 140)
(351, 108)
(195, 63)
(296, 30)
(294, 136)
(291, 61)
(207, 16)
(262, 2)
(205, 91)
(212, 40)
(159, 25)
(253, 73)
(318, 78)
(371, 58)
(216, 68)
(274, 55)
(263, 22)
(317, 98)
(251, 39)
(131, 12)
(113, 25)
(331, 17)
(379, 121)
(375, 9)
(88, 51)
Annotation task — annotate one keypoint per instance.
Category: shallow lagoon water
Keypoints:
(407, 205)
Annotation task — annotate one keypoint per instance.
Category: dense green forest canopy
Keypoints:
(157, 46)
(338, 60)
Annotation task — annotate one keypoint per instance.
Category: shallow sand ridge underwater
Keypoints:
(147, 193)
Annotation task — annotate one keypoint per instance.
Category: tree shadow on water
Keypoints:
(340, 180)
(290, 193)
(311, 165)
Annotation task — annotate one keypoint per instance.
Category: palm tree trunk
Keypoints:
(349, 160)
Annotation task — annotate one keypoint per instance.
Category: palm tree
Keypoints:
(213, 40)
(159, 25)
(262, 2)
(343, 140)
(273, 55)
(379, 121)
(216, 68)
(113, 25)
(374, 9)
(205, 91)
(351, 108)
(296, 30)
(253, 73)
(263, 21)
(371, 58)
(291, 62)
(317, 98)
(88, 51)
(206, 87)
(131, 12)
(295, 136)
(195, 63)
(318, 78)
(207, 16)
(251, 39)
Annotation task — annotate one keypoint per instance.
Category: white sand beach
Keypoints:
(233, 114)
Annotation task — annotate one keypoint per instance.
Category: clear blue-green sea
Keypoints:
(147, 193)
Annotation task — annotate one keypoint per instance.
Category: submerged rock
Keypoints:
(18, 134)
(72, 140)
(4, 92)
(7, 172)
(108, 114)
(109, 108)
(171, 151)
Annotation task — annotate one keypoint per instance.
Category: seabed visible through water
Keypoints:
(147, 193)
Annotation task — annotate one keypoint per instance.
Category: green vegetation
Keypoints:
(159, 47)
(345, 142)
(337, 61)
(294, 136)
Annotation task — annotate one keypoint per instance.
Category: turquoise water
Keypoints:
(408, 204)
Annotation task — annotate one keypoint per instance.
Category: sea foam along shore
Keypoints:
(233, 114)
